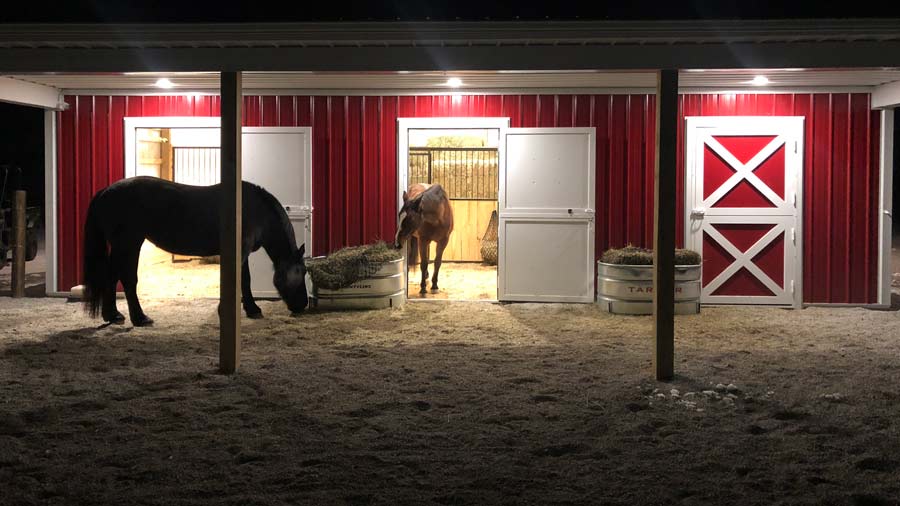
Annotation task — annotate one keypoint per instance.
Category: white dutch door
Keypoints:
(546, 212)
(280, 160)
(743, 207)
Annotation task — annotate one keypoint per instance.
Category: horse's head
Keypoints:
(290, 281)
(410, 217)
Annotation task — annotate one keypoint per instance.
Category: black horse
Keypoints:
(181, 219)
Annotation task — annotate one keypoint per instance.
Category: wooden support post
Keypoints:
(664, 224)
(230, 224)
(18, 246)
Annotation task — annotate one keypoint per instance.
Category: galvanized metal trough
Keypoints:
(628, 289)
(384, 289)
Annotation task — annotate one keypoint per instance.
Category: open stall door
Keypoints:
(546, 212)
(280, 160)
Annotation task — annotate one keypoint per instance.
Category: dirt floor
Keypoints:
(457, 281)
(158, 276)
(450, 403)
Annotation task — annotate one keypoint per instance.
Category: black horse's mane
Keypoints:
(283, 219)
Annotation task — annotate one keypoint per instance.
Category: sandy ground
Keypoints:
(159, 276)
(450, 403)
(457, 281)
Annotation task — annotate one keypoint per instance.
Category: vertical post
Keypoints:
(230, 224)
(664, 224)
(18, 246)
(885, 206)
(50, 199)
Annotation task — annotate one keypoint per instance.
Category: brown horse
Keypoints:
(425, 216)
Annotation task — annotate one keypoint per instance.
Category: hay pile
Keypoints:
(348, 265)
(631, 255)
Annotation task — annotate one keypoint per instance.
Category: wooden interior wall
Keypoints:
(470, 221)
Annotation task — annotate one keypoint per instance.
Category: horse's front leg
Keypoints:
(423, 266)
(441, 245)
(250, 307)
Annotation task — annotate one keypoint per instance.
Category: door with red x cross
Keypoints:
(743, 207)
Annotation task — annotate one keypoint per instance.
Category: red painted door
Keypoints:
(743, 205)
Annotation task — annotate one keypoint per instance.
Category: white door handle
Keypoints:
(698, 213)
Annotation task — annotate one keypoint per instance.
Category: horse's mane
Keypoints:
(284, 222)
(435, 188)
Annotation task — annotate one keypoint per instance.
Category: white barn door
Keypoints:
(280, 160)
(743, 207)
(546, 212)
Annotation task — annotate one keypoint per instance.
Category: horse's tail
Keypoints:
(96, 262)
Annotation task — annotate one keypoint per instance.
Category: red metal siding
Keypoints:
(840, 173)
(355, 152)
(354, 165)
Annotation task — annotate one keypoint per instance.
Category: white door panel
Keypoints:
(280, 160)
(550, 257)
(546, 212)
(539, 178)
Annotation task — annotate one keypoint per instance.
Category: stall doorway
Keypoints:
(463, 156)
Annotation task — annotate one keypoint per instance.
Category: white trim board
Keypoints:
(885, 206)
(51, 246)
(380, 92)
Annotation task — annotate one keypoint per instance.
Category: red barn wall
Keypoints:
(355, 149)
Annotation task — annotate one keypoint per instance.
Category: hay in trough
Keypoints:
(348, 265)
(631, 255)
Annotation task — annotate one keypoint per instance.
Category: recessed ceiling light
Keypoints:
(760, 81)
(164, 83)
(454, 82)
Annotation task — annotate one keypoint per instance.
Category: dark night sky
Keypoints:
(318, 10)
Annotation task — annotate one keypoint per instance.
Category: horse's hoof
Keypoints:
(423, 291)
(255, 316)
(435, 289)
(145, 321)
(117, 319)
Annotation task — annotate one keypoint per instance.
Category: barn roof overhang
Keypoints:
(435, 46)
(416, 58)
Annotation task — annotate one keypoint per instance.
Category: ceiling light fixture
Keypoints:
(454, 82)
(760, 81)
(164, 83)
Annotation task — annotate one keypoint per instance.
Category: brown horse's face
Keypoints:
(410, 217)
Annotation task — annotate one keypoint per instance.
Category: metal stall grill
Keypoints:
(198, 166)
(465, 173)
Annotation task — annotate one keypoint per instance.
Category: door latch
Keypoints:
(698, 213)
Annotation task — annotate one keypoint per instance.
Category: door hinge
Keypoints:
(792, 287)
(794, 198)
(795, 146)
(794, 235)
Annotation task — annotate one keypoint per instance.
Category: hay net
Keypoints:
(348, 265)
(489, 241)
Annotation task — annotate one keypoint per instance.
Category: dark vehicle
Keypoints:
(32, 217)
